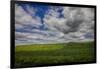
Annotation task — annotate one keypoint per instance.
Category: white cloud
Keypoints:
(23, 18)
(76, 25)
(37, 35)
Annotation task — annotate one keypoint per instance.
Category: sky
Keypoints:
(36, 23)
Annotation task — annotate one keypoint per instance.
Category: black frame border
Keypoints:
(12, 30)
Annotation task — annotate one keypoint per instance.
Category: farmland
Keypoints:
(49, 54)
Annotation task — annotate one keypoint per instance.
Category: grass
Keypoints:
(48, 54)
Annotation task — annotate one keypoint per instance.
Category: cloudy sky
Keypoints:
(48, 24)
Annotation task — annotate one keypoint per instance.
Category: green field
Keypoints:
(48, 54)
